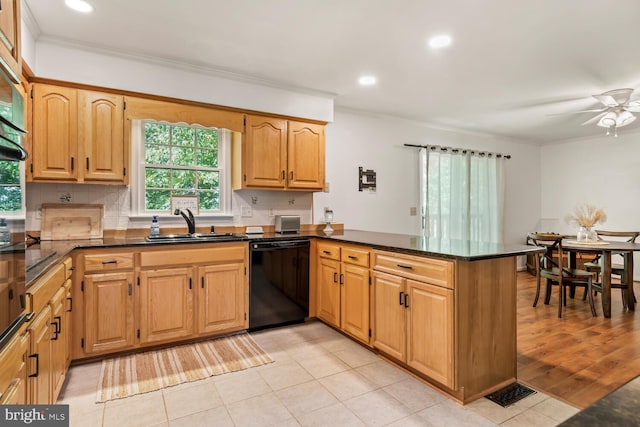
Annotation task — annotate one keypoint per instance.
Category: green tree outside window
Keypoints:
(181, 160)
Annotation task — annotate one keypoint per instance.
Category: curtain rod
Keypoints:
(461, 150)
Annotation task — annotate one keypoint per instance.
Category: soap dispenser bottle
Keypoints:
(155, 227)
(5, 234)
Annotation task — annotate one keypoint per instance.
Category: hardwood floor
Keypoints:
(577, 359)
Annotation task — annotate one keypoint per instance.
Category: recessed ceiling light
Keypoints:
(367, 80)
(79, 5)
(438, 42)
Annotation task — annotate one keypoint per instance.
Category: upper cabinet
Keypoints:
(77, 136)
(280, 154)
(10, 56)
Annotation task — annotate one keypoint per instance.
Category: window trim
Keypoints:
(138, 165)
(19, 214)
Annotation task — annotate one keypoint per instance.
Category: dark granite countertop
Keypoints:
(619, 408)
(40, 257)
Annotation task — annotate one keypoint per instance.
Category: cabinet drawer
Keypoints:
(68, 267)
(329, 250)
(112, 261)
(218, 253)
(432, 270)
(355, 256)
(45, 288)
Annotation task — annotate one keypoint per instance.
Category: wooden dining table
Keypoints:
(605, 248)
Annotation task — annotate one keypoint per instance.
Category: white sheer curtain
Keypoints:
(461, 195)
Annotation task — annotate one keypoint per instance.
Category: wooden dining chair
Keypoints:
(556, 273)
(595, 266)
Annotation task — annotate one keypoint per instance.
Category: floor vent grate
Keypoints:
(510, 394)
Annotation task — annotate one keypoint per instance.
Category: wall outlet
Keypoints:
(413, 211)
(270, 212)
(326, 187)
(246, 211)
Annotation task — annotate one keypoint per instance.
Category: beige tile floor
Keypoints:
(319, 378)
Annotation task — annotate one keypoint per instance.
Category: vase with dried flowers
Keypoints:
(585, 217)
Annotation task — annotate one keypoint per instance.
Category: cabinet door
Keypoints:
(58, 342)
(100, 133)
(430, 331)
(13, 375)
(355, 301)
(41, 333)
(10, 55)
(329, 291)
(222, 298)
(389, 324)
(66, 326)
(55, 133)
(265, 152)
(108, 311)
(166, 304)
(305, 156)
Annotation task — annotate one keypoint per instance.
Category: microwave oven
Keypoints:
(11, 121)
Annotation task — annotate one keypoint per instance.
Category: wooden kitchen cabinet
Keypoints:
(280, 154)
(343, 288)
(166, 304)
(78, 136)
(13, 375)
(222, 305)
(10, 43)
(108, 312)
(49, 334)
(413, 320)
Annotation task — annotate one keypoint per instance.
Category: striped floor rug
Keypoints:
(144, 372)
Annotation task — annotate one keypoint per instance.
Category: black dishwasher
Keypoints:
(278, 283)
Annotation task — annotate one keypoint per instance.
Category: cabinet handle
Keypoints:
(37, 357)
(291, 175)
(400, 300)
(58, 324)
(408, 267)
(70, 299)
(352, 257)
(335, 277)
(130, 289)
(109, 262)
(406, 300)
(326, 252)
(72, 163)
(283, 177)
(202, 282)
(56, 331)
(87, 163)
(342, 279)
(190, 283)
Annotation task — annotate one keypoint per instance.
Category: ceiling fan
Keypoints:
(617, 111)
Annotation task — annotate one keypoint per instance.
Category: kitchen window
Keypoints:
(11, 184)
(180, 159)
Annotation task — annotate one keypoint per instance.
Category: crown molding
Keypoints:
(30, 20)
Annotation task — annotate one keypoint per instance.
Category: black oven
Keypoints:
(12, 210)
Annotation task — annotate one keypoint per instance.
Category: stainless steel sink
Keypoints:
(186, 237)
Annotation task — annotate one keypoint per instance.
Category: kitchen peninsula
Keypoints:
(443, 309)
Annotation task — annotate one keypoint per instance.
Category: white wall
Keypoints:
(602, 171)
(356, 139)
(57, 61)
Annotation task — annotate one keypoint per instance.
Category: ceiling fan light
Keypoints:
(608, 120)
(624, 119)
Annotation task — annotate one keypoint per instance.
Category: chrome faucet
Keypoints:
(191, 221)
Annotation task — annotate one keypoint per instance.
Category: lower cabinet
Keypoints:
(344, 288)
(222, 302)
(13, 375)
(108, 312)
(49, 333)
(166, 304)
(159, 294)
(413, 320)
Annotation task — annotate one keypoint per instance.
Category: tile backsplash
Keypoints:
(249, 207)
